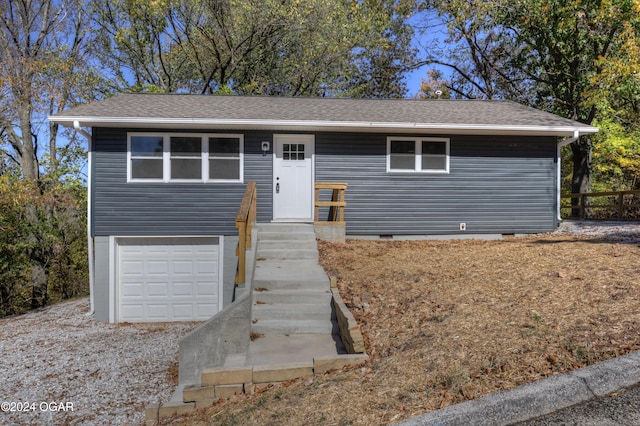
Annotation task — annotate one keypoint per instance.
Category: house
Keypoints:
(167, 173)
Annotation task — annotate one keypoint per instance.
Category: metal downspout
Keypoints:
(80, 130)
(562, 143)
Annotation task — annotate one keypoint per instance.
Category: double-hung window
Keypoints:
(417, 155)
(185, 157)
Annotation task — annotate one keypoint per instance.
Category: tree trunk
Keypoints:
(28, 158)
(581, 181)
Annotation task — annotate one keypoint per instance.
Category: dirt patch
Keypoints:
(446, 322)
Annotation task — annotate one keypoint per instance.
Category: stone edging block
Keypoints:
(336, 362)
(349, 328)
(281, 372)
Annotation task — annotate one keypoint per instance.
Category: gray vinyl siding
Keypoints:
(495, 185)
(121, 208)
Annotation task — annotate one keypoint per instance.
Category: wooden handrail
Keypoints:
(336, 205)
(245, 219)
(582, 206)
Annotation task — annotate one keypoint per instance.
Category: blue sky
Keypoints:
(414, 78)
(429, 30)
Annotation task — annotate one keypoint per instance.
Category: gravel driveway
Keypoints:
(62, 367)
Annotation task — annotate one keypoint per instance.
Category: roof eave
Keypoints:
(331, 126)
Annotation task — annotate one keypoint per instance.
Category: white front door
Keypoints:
(293, 178)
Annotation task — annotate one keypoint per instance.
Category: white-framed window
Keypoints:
(417, 155)
(184, 157)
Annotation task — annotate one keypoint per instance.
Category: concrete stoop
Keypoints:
(297, 325)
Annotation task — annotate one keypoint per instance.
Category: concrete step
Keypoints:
(290, 236)
(287, 296)
(290, 285)
(291, 312)
(284, 327)
(287, 244)
(286, 254)
(285, 227)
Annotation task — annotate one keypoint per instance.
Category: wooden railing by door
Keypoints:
(336, 205)
(245, 219)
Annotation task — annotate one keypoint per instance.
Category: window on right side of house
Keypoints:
(417, 155)
(435, 156)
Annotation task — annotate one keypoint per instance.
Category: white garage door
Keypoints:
(168, 279)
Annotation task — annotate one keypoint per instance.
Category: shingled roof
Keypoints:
(316, 114)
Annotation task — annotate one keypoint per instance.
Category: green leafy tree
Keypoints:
(273, 47)
(43, 255)
(43, 69)
(555, 55)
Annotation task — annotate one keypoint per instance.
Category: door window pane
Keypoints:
(293, 151)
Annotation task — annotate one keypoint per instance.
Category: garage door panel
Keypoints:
(155, 289)
(132, 312)
(157, 311)
(183, 267)
(183, 311)
(207, 310)
(168, 279)
(183, 290)
(156, 267)
(132, 290)
(207, 267)
(204, 289)
(132, 267)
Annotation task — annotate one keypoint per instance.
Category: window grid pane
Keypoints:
(434, 148)
(403, 147)
(182, 168)
(224, 147)
(434, 162)
(185, 147)
(146, 146)
(144, 168)
(228, 169)
(403, 161)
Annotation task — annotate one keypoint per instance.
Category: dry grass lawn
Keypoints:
(446, 322)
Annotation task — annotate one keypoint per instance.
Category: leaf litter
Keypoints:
(450, 321)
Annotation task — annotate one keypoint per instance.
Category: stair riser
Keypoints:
(285, 227)
(269, 297)
(289, 285)
(265, 314)
(299, 328)
(287, 245)
(292, 236)
(286, 254)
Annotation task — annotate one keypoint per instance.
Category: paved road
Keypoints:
(619, 409)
